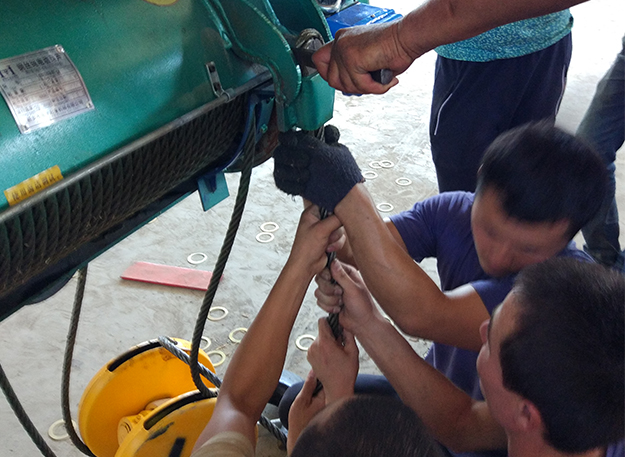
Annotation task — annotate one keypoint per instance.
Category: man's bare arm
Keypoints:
(452, 417)
(331, 178)
(403, 290)
(346, 62)
(255, 368)
(438, 22)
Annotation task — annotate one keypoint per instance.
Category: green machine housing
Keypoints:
(132, 102)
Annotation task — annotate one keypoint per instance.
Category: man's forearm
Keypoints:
(254, 371)
(453, 418)
(403, 290)
(438, 22)
(401, 287)
(255, 368)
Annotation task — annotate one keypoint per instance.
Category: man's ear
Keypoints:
(527, 417)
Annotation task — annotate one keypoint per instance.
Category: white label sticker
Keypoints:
(43, 87)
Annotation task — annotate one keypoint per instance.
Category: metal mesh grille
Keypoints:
(50, 230)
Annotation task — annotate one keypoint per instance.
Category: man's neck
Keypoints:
(532, 447)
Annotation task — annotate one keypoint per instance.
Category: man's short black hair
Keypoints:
(544, 174)
(368, 426)
(566, 353)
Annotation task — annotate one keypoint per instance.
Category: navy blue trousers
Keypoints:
(473, 102)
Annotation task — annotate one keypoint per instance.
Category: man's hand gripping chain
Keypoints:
(322, 172)
(333, 318)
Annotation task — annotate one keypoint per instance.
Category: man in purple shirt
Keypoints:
(537, 186)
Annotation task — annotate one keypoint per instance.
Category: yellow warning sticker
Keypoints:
(31, 186)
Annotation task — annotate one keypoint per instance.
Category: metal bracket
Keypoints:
(218, 89)
(258, 31)
(212, 188)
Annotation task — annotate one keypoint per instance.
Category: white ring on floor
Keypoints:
(375, 164)
(368, 174)
(231, 336)
(57, 436)
(387, 163)
(220, 354)
(272, 227)
(202, 258)
(403, 181)
(207, 341)
(264, 237)
(298, 341)
(385, 207)
(217, 318)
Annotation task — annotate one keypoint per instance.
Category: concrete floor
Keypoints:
(118, 314)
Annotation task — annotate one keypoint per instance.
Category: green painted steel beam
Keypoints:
(144, 65)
